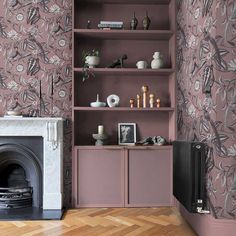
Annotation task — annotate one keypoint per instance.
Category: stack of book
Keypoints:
(110, 25)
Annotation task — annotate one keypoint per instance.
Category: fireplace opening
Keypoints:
(15, 190)
(21, 161)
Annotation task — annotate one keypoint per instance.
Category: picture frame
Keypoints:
(126, 133)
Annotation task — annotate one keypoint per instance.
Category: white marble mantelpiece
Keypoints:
(51, 129)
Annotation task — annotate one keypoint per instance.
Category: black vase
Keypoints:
(146, 22)
(134, 23)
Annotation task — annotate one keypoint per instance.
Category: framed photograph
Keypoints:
(126, 133)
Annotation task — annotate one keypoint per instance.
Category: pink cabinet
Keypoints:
(116, 176)
(149, 178)
(99, 178)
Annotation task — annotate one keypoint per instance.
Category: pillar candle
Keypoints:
(100, 129)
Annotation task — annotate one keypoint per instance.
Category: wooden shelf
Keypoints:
(125, 34)
(136, 2)
(127, 71)
(161, 109)
(111, 147)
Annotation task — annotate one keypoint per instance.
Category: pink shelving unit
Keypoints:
(120, 163)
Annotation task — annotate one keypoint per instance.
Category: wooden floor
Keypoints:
(104, 222)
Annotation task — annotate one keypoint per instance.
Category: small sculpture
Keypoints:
(97, 103)
(146, 22)
(151, 100)
(133, 23)
(131, 101)
(144, 90)
(158, 102)
(88, 24)
(156, 140)
(113, 100)
(138, 101)
(118, 62)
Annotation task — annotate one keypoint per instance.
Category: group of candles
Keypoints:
(151, 99)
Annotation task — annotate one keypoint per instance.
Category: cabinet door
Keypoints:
(149, 178)
(100, 180)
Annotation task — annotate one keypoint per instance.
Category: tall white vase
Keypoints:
(157, 61)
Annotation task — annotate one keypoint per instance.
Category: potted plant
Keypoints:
(90, 60)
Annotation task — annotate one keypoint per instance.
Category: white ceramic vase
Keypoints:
(92, 61)
(157, 61)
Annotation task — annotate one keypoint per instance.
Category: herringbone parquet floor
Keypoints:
(105, 222)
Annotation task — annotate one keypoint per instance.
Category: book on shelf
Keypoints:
(102, 26)
(112, 22)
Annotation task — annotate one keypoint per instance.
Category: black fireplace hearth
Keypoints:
(30, 213)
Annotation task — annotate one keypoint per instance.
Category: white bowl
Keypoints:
(98, 104)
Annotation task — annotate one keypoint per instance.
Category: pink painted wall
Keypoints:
(207, 92)
(35, 45)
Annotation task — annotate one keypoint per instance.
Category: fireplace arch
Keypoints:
(17, 158)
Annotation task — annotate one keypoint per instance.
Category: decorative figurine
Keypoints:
(131, 101)
(146, 22)
(144, 90)
(158, 102)
(88, 24)
(133, 23)
(113, 100)
(151, 100)
(138, 101)
(118, 62)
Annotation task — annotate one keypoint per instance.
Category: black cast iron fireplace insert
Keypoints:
(21, 179)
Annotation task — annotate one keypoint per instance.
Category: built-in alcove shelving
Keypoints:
(126, 82)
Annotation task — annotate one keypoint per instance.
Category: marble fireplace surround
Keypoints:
(51, 129)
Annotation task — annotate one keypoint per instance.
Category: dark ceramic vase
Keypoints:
(134, 23)
(146, 22)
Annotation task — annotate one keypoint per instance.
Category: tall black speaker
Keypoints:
(189, 165)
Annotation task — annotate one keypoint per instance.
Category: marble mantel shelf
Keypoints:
(51, 130)
(29, 118)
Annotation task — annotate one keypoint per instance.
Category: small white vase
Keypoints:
(92, 61)
(157, 62)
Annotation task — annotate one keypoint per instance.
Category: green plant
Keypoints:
(89, 53)
(87, 73)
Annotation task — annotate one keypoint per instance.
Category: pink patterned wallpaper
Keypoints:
(207, 92)
(35, 45)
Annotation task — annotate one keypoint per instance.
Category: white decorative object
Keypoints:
(98, 103)
(51, 130)
(92, 61)
(157, 62)
(113, 100)
(141, 64)
(100, 129)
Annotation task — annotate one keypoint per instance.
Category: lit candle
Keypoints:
(100, 129)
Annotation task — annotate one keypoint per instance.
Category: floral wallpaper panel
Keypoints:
(35, 63)
(207, 92)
